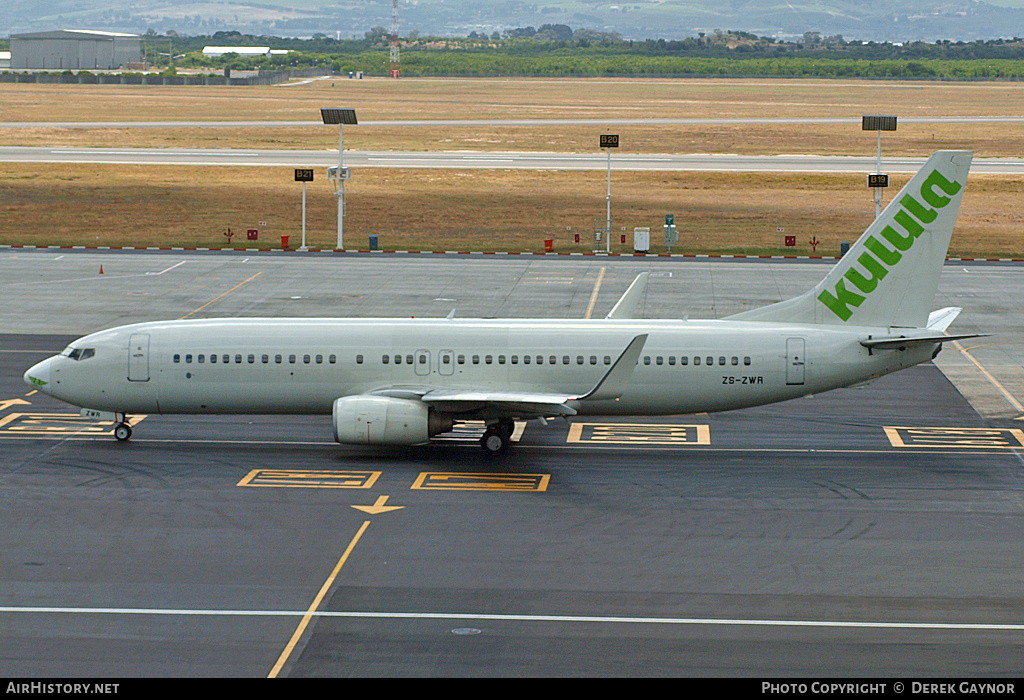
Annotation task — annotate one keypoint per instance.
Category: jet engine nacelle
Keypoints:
(382, 420)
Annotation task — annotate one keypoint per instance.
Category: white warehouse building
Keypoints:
(243, 51)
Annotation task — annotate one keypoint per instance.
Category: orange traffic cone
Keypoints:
(101, 269)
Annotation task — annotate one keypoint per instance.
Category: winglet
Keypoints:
(627, 304)
(615, 381)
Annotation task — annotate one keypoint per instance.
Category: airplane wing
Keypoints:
(627, 304)
(498, 403)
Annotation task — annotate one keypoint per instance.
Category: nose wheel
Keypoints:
(122, 432)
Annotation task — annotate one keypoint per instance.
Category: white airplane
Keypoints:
(402, 381)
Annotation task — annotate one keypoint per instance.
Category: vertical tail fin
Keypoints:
(889, 276)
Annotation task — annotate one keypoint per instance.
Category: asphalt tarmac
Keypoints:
(863, 532)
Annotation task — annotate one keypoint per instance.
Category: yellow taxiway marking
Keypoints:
(956, 438)
(310, 479)
(640, 433)
(57, 424)
(378, 507)
(593, 297)
(297, 635)
(458, 481)
(240, 284)
(1007, 395)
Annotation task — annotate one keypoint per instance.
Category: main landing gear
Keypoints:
(497, 436)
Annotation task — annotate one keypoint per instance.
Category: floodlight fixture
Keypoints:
(879, 123)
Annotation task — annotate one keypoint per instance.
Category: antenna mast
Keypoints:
(394, 39)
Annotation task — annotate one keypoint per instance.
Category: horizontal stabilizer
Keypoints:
(940, 320)
(903, 341)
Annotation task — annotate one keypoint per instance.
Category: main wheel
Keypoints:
(494, 441)
(122, 432)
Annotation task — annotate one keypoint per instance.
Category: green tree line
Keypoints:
(595, 54)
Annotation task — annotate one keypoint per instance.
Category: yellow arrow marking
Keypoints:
(378, 507)
(7, 403)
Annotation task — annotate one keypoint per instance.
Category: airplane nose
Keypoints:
(38, 376)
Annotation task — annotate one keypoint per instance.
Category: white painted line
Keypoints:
(576, 619)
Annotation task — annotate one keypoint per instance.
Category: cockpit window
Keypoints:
(78, 354)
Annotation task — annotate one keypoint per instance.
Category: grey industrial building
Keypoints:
(75, 49)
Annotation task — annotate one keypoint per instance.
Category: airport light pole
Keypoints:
(341, 117)
(878, 180)
(609, 141)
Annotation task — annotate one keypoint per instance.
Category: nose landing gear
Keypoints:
(122, 431)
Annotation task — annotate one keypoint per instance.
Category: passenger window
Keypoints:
(320, 359)
(446, 359)
(607, 359)
(746, 360)
(501, 359)
(385, 359)
(579, 359)
(515, 359)
(213, 359)
(201, 359)
(265, 359)
(408, 359)
(735, 360)
(696, 360)
(526, 359)
(398, 359)
(332, 359)
(593, 359)
(565, 359)
(476, 359)
(683, 360)
(488, 359)
(423, 359)
(721, 359)
(552, 360)
(188, 359)
(252, 359)
(660, 360)
(306, 359)
(647, 359)
(277, 359)
(238, 359)
(462, 359)
(291, 359)
(226, 359)
(177, 358)
(711, 360)
(671, 359)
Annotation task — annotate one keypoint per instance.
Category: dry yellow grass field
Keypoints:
(477, 210)
(497, 210)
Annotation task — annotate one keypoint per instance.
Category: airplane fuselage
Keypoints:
(296, 366)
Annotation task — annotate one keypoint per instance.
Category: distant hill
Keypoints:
(874, 20)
